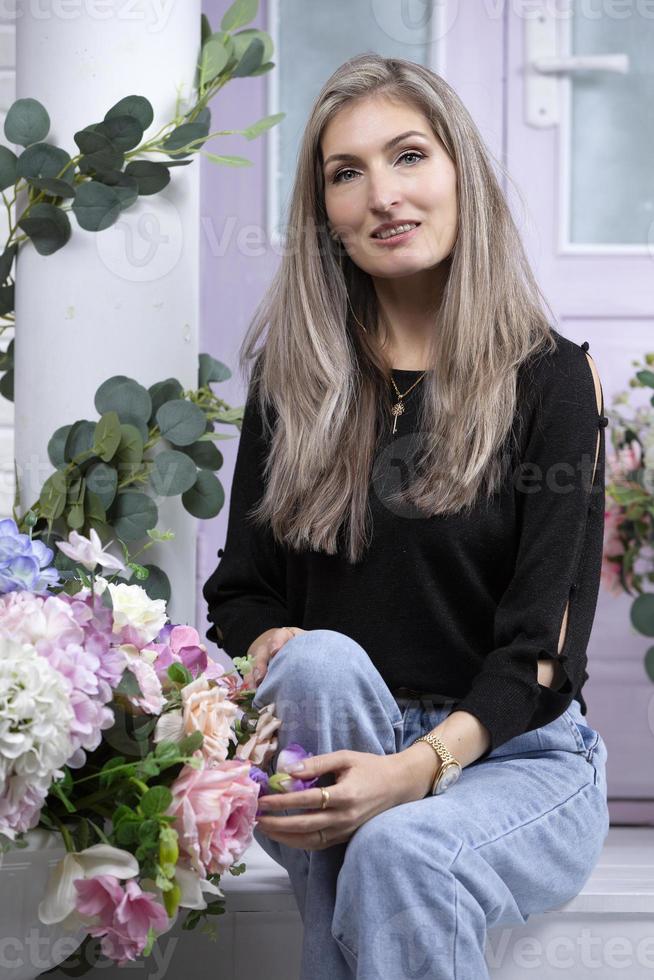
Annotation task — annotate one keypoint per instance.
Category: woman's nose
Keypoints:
(383, 192)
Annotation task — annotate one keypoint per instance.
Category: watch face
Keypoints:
(450, 775)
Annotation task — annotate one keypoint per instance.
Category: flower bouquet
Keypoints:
(120, 734)
(628, 555)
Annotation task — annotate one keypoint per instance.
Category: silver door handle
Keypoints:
(582, 62)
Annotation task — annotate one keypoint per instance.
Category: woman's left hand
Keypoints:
(367, 784)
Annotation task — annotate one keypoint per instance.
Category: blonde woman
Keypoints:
(414, 545)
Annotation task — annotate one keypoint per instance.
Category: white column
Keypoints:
(124, 300)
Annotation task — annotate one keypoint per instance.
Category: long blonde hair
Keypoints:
(324, 376)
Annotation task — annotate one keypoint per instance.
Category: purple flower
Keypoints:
(282, 780)
(24, 561)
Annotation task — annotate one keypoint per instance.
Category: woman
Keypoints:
(459, 603)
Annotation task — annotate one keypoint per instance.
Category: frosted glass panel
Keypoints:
(316, 36)
(612, 132)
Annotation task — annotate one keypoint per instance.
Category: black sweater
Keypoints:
(459, 605)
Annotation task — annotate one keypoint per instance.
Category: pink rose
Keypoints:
(214, 810)
(124, 914)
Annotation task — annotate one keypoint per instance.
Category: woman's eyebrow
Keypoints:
(387, 146)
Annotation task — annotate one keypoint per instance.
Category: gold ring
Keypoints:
(325, 798)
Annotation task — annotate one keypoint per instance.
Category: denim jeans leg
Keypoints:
(329, 696)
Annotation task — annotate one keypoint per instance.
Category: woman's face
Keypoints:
(368, 182)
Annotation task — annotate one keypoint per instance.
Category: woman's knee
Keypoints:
(316, 657)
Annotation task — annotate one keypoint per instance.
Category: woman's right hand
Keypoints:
(266, 645)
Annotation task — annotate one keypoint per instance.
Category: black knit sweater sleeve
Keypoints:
(245, 595)
(560, 514)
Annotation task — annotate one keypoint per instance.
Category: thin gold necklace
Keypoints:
(398, 407)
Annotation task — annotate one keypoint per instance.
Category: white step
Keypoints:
(605, 932)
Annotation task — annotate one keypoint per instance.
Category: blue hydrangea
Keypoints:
(24, 562)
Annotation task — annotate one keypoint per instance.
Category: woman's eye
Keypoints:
(336, 179)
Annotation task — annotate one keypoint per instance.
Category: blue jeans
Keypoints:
(413, 891)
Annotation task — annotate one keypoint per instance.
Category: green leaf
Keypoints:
(126, 187)
(156, 800)
(251, 59)
(6, 299)
(123, 396)
(262, 69)
(53, 496)
(79, 439)
(7, 259)
(47, 226)
(649, 663)
(43, 160)
(205, 455)
(172, 473)
(8, 163)
(157, 584)
(133, 105)
(205, 29)
(107, 436)
(26, 122)
(96, 206)
(257, 128)
(214, 58)
(93, 505)
(124, 132)
(75, 517)
(646, 378)
(151, 176)
(53, 186)
(7, 385)
(229, 161)
(206, 497)
(56, 447)
(7, 358)
(162, 392)
(242, 41)
(132, 514)
(181, 422)
(128, 684)
(179, 674)
(190, 743)
(241, 12)
(102, 480)
(129, 456)
(211, 370)
(642, 614)
(149, 829)
(184, 134)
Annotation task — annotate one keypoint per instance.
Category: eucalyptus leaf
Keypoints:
(52, 500)
(157, 584)
(7, 358)
(257, 128)
(129, 456)
(7, 385)
(269, 65)
(7, 260)
(44, 160)
(172, 473)
(125, 396)
(211, 370)
(251, 59)
(8, 165)
(96, 206)
(102, 480)
(123, 132)
(150, 176)
(126, 187)
(93, 505)
(243, 38)
(107, 436)
(47, 226)
(80, 439)
(56, 447)
(132, 514)
(241, 12)
(162, 392)
(181, 422)
(214, 58)
(206, 497)
(228, 161)
(75, 517)
(205, 455)
(205, 29)
(53, 186)
(7, 300)
(184, 134)
(133, 105)
(27, 121)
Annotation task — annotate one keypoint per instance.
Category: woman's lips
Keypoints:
(396, 239)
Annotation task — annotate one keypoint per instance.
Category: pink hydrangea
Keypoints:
(123, 913)
(215, 809)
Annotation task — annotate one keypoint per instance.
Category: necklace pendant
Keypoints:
(397, 410)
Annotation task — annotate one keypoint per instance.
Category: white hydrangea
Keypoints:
(35, 716)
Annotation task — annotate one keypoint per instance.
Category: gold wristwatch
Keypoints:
(449, 769)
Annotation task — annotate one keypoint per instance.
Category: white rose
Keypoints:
(132, 606)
